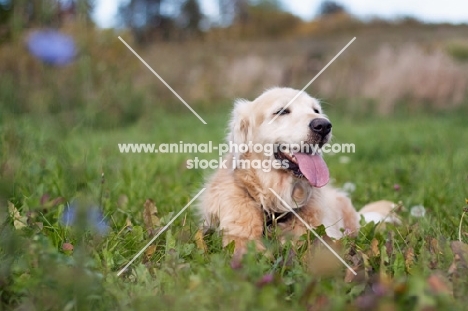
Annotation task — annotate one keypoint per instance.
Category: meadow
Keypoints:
(415, 161)
(75, 211)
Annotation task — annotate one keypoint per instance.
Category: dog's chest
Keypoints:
(266, 192)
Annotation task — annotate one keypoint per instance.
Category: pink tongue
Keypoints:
(314, 169)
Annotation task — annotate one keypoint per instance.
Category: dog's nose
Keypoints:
(320, 126)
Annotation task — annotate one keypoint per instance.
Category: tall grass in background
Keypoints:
(384, 71)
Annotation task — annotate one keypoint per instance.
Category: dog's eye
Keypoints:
(282, 111)
(316, 111)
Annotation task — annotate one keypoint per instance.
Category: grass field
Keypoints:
(48, 168)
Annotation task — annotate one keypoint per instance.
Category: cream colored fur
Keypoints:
(236, 199)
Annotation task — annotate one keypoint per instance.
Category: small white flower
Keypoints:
(344, 159)
(349, 187)
(418, 211)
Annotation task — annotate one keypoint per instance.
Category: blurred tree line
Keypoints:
(155, 20)
(162, 20)
(152, 20)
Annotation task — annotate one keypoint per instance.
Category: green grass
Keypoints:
(404, 267)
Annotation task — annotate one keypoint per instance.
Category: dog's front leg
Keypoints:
(242, 222)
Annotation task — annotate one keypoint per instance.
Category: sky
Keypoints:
(450, 11)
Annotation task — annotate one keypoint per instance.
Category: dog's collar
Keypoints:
(273, 218)
(271, 221)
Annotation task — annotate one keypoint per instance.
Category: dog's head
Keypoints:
(289, 121)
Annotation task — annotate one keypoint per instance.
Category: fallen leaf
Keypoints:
(150, 218)
(150, 252)
(19, 222)
(357, 264)
(375, 248)
(200, 242)
(389, 244)
(434, 246)
(128, 225)
(434, 251)
(409, 258)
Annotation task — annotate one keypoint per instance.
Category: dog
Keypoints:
(240, 199)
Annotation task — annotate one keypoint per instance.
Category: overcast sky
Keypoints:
(451, 11)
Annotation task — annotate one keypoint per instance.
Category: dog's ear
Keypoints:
(240, 127)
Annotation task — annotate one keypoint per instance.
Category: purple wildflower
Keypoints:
(94, 218)
(52, 47)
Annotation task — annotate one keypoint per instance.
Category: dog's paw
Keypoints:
(241, 245)
(380, 211)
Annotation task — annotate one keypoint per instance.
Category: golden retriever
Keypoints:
(240, 198)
